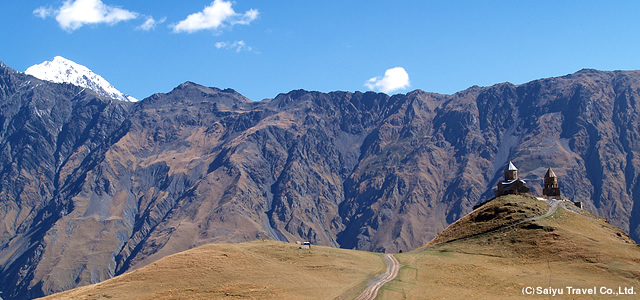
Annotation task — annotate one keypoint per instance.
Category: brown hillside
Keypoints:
(500, 212)
(255, 270)
(490, 253)
(477, 259)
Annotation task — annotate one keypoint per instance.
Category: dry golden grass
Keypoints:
(254, 270)
(495, 214)
(565, 249)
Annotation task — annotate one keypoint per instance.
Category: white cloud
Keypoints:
(75, 14)
(44, 12)
(238, 46)
(247, 18)
(150, 24)
(393, 80)
(217, 15)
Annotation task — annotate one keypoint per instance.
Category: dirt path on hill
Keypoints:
(553, 207)
(393, 267)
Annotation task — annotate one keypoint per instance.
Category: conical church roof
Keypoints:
(550, 174)
(512, 167)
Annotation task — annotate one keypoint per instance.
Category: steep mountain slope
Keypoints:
(52, 137)
(491, 253)
(106, 186)
(62, 70)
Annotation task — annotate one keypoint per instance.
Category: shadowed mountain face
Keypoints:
(92, 187)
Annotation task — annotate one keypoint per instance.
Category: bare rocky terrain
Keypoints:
(92, 187)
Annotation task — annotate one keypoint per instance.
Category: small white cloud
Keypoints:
(393, 80)
(150, 24)
(248, 17)
(237, 46)
(44, 12)
(75, 14)
(217, 15)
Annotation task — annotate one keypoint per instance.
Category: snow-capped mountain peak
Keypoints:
(62, 70)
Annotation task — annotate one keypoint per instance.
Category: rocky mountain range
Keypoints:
(92, 187)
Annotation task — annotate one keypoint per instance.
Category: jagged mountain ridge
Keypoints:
(125, 184)
(62, 70)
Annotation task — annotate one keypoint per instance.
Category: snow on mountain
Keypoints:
(62, 70)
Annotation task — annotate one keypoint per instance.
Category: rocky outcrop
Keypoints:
(91, 187)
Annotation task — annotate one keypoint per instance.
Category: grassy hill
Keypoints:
(480, 256)
(490, 253)
(253, 270)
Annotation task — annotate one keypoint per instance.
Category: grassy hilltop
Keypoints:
(261, 269)
(471, 259)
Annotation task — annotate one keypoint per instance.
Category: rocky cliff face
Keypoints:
(92, 187)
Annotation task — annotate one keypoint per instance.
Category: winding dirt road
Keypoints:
(393, 267)
(553, 207)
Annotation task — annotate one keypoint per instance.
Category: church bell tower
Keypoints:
(511, 173)
(551, 188)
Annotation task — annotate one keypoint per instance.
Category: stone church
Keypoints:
(512, 184)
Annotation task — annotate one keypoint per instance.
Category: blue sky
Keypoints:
(262, 48)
